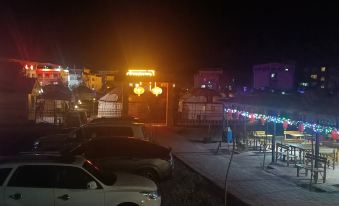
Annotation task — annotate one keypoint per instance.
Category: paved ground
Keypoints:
(247, 179)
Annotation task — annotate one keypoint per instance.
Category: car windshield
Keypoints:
(106, 178)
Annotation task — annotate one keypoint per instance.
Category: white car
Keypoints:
(46, 180)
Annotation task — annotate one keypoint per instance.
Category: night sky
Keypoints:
(169, 35)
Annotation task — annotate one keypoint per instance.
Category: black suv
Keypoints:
(128, 155)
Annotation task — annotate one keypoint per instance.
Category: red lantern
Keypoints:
(251, 117)
(229, 115)
(301, 127)
(262, 120)
(285, 125)
(334, 134)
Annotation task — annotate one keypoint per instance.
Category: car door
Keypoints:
(31, 185)
(71, 188)
(4, 172)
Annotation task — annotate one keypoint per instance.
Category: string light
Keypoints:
(314, 127)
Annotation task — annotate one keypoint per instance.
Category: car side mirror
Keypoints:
(92, 185)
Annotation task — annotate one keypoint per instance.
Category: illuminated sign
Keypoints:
(141, 73)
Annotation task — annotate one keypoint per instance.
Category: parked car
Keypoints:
(113, 128)
(129, 155)
(114, 119)
(42, 180)
(75, 119)
(89, 131)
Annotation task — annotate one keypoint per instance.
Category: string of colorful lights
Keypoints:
(315, 127)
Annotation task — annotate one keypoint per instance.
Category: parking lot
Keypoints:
(186, 187)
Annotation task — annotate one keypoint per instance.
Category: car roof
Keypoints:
(41, 159)
(124, 139)
(126, 118)
(113, 124)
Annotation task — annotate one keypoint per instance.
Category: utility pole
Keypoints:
(273, 141)
(316, 163)
(265, 143)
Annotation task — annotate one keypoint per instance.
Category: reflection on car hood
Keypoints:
(55, 143)
(134, 183)
(54, 138)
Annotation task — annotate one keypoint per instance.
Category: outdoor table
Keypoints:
(296, 136)
(259, 137)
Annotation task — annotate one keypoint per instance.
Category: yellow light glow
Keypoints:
(141, 73)
(138, 90)
(156, 90)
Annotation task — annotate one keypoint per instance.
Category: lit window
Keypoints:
(273, 76)
(305, 84)
(322, 79)
(314, 76)
(323, 69)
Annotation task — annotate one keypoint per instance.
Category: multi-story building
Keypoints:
(276, 76)
(319, 77)
(209, 78)
(108, 78)
(75, 78)
(316, 77)
(45, 73)
(91, 80)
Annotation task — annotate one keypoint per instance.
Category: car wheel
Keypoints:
(150, 174)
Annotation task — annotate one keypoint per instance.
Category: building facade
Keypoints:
(91, 80)
(276, 76)
(108, 78)
(209, 79)
(46, 73)
(75, 78)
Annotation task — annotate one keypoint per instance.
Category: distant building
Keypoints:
(319, 78)
(75, 78)
(45, 73)
(108, 78)
(91, 80)
(316, 77)
(209, 79)
(277, 76)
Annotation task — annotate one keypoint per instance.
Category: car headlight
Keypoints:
(151, 195)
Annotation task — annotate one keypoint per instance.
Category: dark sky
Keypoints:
(169, 35)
